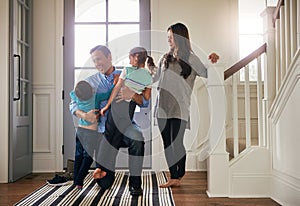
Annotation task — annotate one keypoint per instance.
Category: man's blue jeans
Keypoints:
(86, 143)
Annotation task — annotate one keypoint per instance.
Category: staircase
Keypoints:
(243, 153)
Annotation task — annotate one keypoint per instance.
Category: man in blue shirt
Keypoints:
(102, 82)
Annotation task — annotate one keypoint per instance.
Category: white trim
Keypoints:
(59, 84)
(4, 89)
(284, 176)
(284, 190)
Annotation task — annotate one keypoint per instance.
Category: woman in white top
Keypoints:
(177, 71)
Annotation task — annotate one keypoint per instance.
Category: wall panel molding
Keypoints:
(43, 114)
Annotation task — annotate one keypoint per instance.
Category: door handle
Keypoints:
(19, 78)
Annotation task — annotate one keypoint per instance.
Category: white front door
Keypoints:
(88, 23)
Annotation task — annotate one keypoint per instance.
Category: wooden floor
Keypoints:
(191, 193)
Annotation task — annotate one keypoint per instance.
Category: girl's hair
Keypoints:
(182, 50)
(142, 56)
(141, 52)
(83, 90)
(150, 62)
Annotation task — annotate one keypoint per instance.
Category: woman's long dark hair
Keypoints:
(183, 49)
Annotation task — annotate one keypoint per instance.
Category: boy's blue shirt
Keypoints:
(92, 103)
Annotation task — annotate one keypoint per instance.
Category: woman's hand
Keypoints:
(213, 57)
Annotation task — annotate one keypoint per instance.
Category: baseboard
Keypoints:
(284, 191)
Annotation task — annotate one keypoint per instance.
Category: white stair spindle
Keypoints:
(282, 42)
(259, 102)
(287, 30)
(293, 16)
(247, 107)
(235, 116)
(277, 52)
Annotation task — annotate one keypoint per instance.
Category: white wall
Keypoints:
(213, 27)
(4, 88)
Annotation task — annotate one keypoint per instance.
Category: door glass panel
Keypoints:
(27, 3)
(19, 48)
(81, 74)
(116, 31)
(22, 59)
(26, 62)
(123, 11)
(86, 37)
(22, 104)
(19, 23)
(250, 43)
(90, 11)
(24, 99)
(26, 25)
(121, 39)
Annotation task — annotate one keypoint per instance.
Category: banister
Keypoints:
(242, 63)
(276, 14)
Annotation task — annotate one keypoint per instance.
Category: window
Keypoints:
(250, 32)
(114, 23)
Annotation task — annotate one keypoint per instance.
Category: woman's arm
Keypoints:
(147, 93)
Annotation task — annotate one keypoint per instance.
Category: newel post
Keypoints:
(271, 71)
(218, 158)
(270, 61)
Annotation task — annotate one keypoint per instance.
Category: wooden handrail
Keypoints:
(242, 63)
(276, 14)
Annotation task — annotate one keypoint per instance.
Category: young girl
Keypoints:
(138, 79)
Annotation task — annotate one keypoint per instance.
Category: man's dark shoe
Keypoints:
(57, 181)
(135, 191)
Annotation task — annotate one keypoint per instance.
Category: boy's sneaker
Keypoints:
(57, 181)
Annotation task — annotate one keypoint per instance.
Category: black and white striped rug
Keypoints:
(91, 194)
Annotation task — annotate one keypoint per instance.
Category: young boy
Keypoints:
(87, 136)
